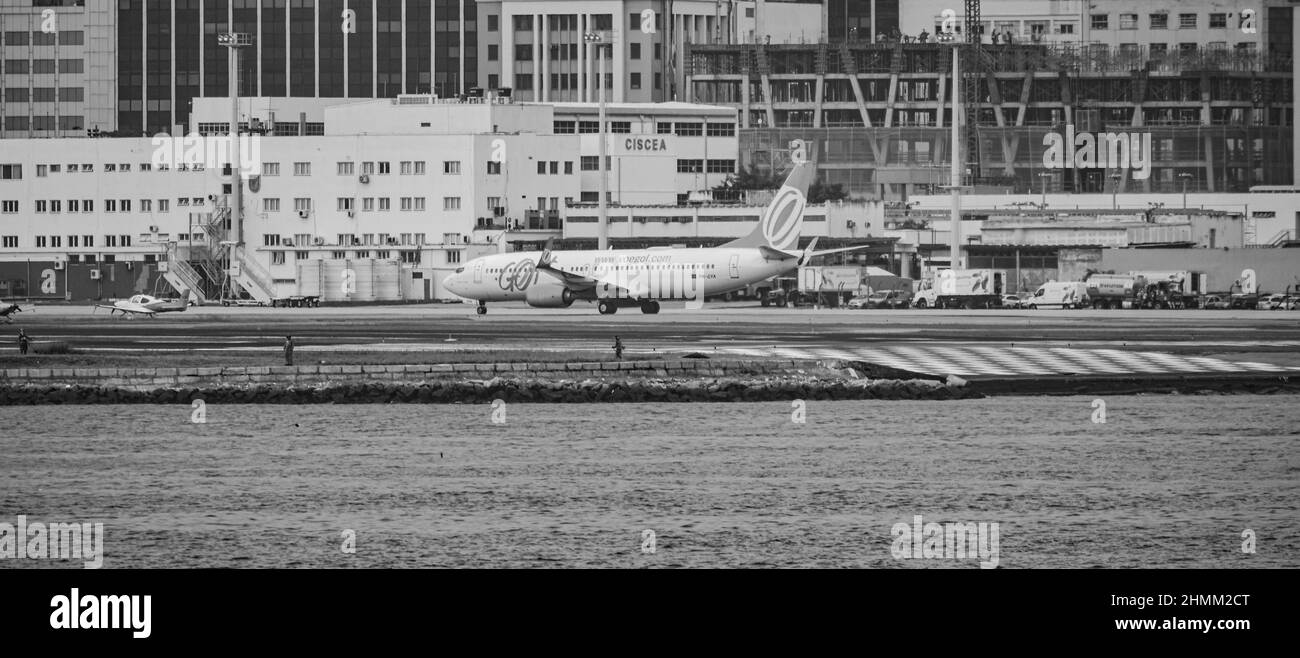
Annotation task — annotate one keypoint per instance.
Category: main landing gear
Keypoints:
(482, 308)
(650, 307)
(606, 307)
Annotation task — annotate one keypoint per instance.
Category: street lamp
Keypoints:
(1114, 190)
(1186, 177)
(234, 41)
(597, 39)
(955, 243)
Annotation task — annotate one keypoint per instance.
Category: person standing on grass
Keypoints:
(618, 347)
(288, 350)
(23, 341)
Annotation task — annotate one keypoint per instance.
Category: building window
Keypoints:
(690, 166)
(110, 205)
(634, 51)
(405, 168)
(1159, 21)
(451, 167)
(302, 169)
(72, 205)
(9, 206)
(1187, 21)
(453, 257)
(492, 22)
(302, 204)
(568, 166)
(451, 203)
(620, 127)
(10, 242)
(1101, 21)
(162, 205)
(146, 205)
(406, 204)
(558, 127)
(385, 204)
(385, 168)
(271, 169)
(277, 258)
(690, 129)
(664, 127)
(721, 166)
(589, 163)
(523, 23)
(346, 168)
(1128, 21)
(368, 168)
(493, 167)
(368, 204)
(492, 52)
(419, 204)
(721, 130)
(345, 204)
(1218, 21)
(588, 127)
(270, 205)
(541, 166)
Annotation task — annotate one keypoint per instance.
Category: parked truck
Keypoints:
(961, 289)
(1140, 290)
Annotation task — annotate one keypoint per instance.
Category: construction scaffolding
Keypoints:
(1223, 117)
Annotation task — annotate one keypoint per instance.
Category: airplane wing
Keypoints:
(126, 308)
(573, 280)
(582, 283)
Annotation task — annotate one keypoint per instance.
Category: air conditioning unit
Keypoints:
(318, 241)
(356, 242)
(304, 214)
(95, 275)
(58, 264)
(153, 229)
(351, 214)
(852, 224)
(287, 242)
(392, 241)
(364, 178)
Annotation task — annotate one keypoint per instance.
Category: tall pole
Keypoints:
(955, 233)
(236, 187)
(602, 230)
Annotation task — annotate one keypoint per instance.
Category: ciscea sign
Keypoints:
(645, 144)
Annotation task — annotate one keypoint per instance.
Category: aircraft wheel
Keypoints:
(482, 310)
(606, 308)
(650, 308)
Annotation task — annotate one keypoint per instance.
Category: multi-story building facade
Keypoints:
(1218, 119)
(57, 64)
(538, 47)
(133, 66)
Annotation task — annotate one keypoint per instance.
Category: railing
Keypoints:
(183, 277)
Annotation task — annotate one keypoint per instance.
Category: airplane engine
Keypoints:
(548, 293)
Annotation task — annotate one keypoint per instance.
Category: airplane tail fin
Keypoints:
(780, 224)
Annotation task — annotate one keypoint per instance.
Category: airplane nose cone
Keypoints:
(452, 284)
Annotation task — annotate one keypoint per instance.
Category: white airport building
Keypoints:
(400, 192)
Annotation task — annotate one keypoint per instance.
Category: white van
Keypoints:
(1059, 294)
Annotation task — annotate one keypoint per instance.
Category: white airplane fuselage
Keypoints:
(641, 274)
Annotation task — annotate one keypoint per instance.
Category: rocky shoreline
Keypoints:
(507, 389)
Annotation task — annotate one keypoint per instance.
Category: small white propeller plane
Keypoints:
(147, 305)
(644, 277)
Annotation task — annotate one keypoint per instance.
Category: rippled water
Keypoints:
(1166, 481)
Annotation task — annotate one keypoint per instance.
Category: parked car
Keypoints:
(858, 302)
(1216, 302)
(1018, 300)
(1271, 302)
(888, 299)
(1291, 303)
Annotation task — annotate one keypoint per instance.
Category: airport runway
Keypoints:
(973, 343)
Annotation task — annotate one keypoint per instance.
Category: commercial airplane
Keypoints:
(644, 277)
(147, 305)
